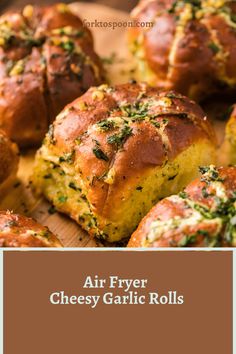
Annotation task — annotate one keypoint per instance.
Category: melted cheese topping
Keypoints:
(187, 12)
(195, 215)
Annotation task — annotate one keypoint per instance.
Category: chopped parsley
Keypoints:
(139, 188)
(44, 233)
(68, 45)
(11, 223)
(62, 199)
(204, 211)
(174, 95)
(205, 194)
(204, 169)
(214, 47)
(210, 174)
(183, 195)
(187, 240)
(203, 233)
(120, 138)
(155, 123)
(137, 111)
(196, 4)
(69, 31)
(68, 157)
(106, 125)
(47, 176)
(193, 2)
(99, 153)
(165, 121)
(172, 177)
(171, 10)
(73, 186)
(233, 17)
(78, 141)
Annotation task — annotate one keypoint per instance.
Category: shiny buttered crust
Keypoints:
(20, 231)
(191, 46)
(112, 153)
(203, 215)
(230, 137)
(46, 61)
(9, 159)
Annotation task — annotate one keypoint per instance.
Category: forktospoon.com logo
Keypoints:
(117, 24)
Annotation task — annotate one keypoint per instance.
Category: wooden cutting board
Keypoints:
(109, 44)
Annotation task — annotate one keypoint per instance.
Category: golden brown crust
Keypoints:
(144, 146)
(113, 138)
(230, 137)
(204, 215)
(20, 231)
(46, 60)
(9, 157)
(190, 48)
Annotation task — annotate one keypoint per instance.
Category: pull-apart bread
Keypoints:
(115, 151)
(46, 61)
(20, 231)
(203, 215)
(191, 46)
(9, 158)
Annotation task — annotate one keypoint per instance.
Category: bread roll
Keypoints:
(114, 152)
(230, 137)
(191, 46)
(203, 215)
(20, 231)
(46, 61)
(9, 157)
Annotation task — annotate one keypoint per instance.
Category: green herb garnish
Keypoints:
(137, 111)
(139, 188)
(210, 174)
(99, 153)
(205, 194)
(174, 95)
(119, 139)
(68, 157)
(106, 125)
(214, 47)
(155, 123)
(62, 199)
(44, 233)
(187, 241)
(73, 186)
(69, 46)
(183, 195)
(48, 176)
(172, 177)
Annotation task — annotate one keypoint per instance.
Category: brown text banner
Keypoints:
(117, 302)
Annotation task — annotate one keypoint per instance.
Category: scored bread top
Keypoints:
(111, 135)
(191, 46)
(47, 59)
(20, 231)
